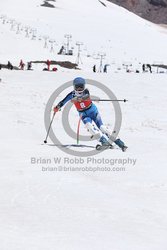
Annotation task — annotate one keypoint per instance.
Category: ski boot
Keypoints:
(104, 144)
(121, 144)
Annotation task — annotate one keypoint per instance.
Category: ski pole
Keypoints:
(78, 128)
(109, 100)
(45, 141)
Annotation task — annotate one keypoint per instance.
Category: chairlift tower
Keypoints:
(78, 60)
(12, 22)
(18, 28)
(101, 57)
(68, 37)
(46, 39)
(33, 31)
(27, 28)
(52, 45)
(4, 18)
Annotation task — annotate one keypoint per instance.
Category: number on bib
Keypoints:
(82, 104)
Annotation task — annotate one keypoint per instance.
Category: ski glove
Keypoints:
(55, 109)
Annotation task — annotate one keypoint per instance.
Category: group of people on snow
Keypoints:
(104, 68)
(22, 65)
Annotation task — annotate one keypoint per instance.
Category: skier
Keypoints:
(88, 111)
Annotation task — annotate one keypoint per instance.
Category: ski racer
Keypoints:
(89, 113)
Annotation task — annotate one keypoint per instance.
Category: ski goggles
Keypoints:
(79, 87)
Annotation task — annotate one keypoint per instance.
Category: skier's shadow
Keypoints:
(71, 145)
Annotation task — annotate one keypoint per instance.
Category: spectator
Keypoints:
(143, 67)
(48, 62)
(105, 68)
(94, 68)
(61, 52)
(9, 65)
(29, 66)
(21, 65)
(149, 67)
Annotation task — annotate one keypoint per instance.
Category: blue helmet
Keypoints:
(79, 84)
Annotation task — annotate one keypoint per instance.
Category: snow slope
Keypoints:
(113, 30)
(41, 208)
(87, 210)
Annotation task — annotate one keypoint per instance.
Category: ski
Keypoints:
(104, 147)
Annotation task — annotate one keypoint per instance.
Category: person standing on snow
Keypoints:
(22, 64)
(29, 66)
(48, 62)
(94, 68)
(9, 65)
(105, 68)
(88, 111)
